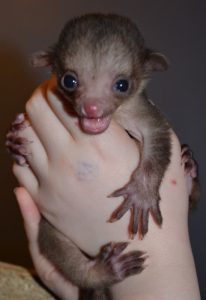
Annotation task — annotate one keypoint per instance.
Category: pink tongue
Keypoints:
(95, 125)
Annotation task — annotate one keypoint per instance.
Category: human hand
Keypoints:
(55, 178)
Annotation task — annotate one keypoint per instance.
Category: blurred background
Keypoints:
(177, 28)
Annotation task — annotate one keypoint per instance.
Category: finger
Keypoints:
(30, 213)
(45, 123)
(156, 214)
(63, 110)
(120, 211)
(25, 177)
(145, 220)
(50, 276)
(134, 222)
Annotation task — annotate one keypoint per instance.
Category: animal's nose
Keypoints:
(92, 110)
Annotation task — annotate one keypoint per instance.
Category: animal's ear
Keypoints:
(155, 61)
(41, 59)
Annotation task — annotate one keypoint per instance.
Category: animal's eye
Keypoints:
(69, 82)
(121, 85)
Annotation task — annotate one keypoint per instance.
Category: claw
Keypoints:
(117, 193)
(20, 118)
(188, 161)
(143, 218)
(20, 160)
(111, 249)
(134, 223)
(120, 247)
(16, 144)
(156, 214)
(120, 211)
(191, 171)
(19, 123)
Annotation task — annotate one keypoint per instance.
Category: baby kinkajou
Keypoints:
(102, 66)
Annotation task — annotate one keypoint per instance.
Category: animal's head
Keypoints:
(100, 62)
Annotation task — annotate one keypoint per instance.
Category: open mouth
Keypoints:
(95, 125)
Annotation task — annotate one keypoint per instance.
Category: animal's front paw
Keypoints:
(15, 144)
(142, 200)
(118, 266)
(188, 161)
(191, 171)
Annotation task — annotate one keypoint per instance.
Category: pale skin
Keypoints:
(70, 177)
